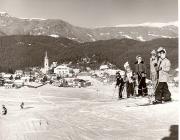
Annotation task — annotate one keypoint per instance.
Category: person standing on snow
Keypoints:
(120, 83)
(140, 70)
(129, 80)
(162, 92)
(4, 110)
(158, 61)
(153, 71)
(22, 105)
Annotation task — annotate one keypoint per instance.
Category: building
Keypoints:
(76, 71)
(19, 72)
(46, 64)
(53, 65)
(84, 76)
(104, 67)
(62, 70)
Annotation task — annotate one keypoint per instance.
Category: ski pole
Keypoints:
(114, 93)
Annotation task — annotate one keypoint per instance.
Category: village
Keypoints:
(56, 75)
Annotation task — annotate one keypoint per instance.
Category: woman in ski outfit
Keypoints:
(153, 70)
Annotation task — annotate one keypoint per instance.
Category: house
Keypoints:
(76, 71)
(104, 67)
(19, 72)
(25, 78)
(84, 76)
(27, 73)
(7, 76)
(18, 83)
(62, 70)
(53, 65)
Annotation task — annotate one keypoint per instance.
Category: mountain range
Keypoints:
(10, 25)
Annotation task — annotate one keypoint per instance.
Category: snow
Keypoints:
(54, 113)
(30, 19)
(127, 36)
(54, 35)
(149, 24)
(141, 38)
(72, 38)
(93, 39)
(163, 36)
(153, 35)
(104, 33)
(166, 36)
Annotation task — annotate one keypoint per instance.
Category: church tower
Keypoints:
(46, 63)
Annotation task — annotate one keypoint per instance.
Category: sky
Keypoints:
(94, 13)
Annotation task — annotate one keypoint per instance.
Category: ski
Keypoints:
(149, 104)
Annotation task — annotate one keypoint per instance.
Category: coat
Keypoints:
(129, 77)
(164, 68)
(153, 68)
(119, 81)
(153, 63)
(140, 68)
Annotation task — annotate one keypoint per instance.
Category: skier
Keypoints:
(22, 105)
(153, 71)
(129, 80)
(162, 92)
(140, 70)
(4, 110)
(120, 84)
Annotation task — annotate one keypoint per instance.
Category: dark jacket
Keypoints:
(119, 81)
(140, 68)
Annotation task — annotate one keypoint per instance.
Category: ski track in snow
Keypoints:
(53, 113)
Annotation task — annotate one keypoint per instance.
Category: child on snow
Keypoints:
(4, 110)
(120, 83)
(129, 80)
(22, 105)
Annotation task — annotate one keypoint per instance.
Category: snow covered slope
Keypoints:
(54, 113)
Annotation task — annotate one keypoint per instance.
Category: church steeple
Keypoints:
(46, 63)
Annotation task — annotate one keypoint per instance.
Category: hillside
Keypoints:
(19, 52)
(58, 28)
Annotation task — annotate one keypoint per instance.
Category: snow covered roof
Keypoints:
(62, 67)
(54, 35)
(102, 67)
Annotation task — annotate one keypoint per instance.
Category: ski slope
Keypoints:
(53, 113)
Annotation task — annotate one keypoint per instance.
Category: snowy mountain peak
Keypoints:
(32, 19)
(149, 24)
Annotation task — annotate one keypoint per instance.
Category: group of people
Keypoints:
(134, 83)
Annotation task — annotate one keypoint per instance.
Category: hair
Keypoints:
(162, 51)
